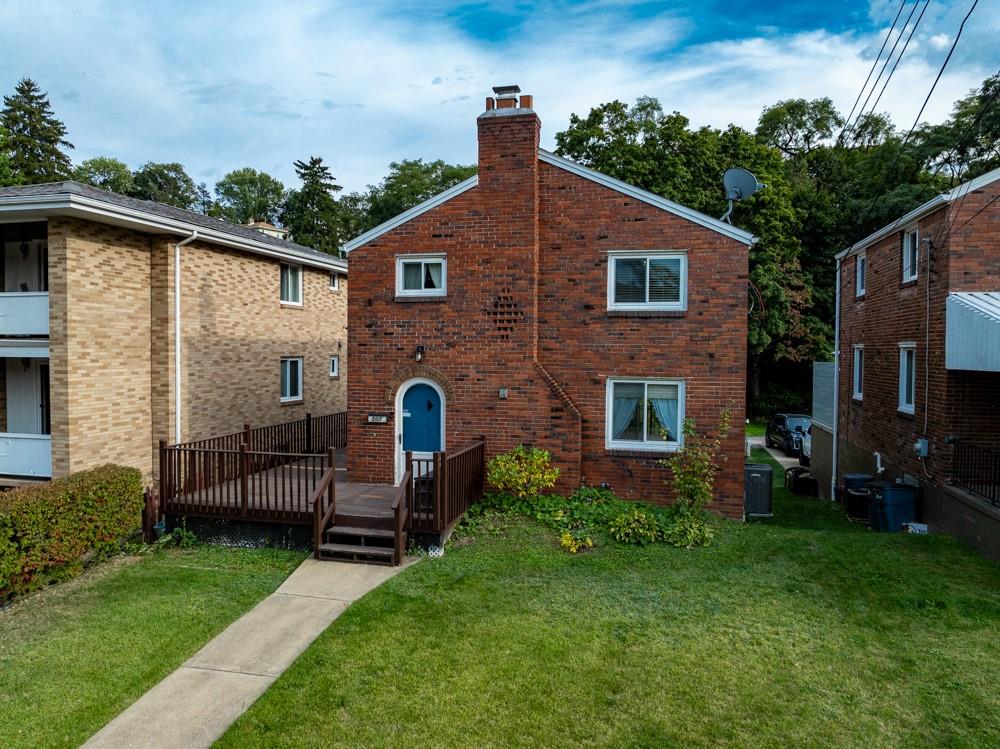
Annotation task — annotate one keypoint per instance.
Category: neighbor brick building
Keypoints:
(89, 318)
(919, 335)
(543, 303)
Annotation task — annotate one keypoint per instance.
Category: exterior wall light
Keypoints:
(503, 393)
(419, 356)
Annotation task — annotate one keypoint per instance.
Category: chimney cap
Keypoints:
(506, 92)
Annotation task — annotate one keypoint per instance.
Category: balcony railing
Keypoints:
(24, 313)
(25, 455)
(977, 470)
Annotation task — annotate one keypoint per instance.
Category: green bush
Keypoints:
(47, 530)
(635, 526)
(522, 472)
(689, 529)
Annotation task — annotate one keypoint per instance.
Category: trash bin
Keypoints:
(758, 478)
(857, 480)
(876, 492)
(895, 507)
(854, 497)
(800, 482)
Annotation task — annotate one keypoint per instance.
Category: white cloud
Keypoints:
(218, 88)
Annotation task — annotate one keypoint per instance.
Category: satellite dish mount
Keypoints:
(740, 185)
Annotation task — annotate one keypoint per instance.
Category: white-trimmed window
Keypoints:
(334, 281)
(421, 275)
(291, 379)
(644, 414)
(291, 284)
(860, 271)
(858, 372)
(907, 377)
(335, 366)
(911, 254)
(647, 281)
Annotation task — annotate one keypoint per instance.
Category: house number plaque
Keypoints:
(378, 418)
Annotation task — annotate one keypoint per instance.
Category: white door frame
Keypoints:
(398, 437)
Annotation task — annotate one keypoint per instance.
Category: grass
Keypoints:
(805, 630)
(756, 428)
(74, 656)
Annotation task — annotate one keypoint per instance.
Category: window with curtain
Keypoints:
(291, 284)
(645, 414)
(655, 281)
(291, 379)
(421, 275)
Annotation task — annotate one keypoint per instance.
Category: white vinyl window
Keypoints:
(291, 379)
(647, 281)
(907, 377)
(859, 372)
(860, 270)
(334, 281)
(291, 284)
(334, 366)
(644, 414)
(421, 275)
(911, 254)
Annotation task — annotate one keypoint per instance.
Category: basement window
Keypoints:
(911, 254)
(644, 414)
(291, 379)
(647, 281)
(291, 284)
(421, 275)
(907, 377)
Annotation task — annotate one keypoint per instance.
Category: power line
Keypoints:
(992, 200)
(901, 53)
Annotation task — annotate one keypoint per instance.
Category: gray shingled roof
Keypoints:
(70, 187)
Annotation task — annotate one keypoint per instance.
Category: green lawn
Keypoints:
(76, 655)
(756, 428)
(805, 630)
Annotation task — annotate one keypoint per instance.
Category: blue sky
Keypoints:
(236, 83)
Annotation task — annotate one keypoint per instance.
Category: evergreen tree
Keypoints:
(7, 176)
(312, 213)
(35, 138)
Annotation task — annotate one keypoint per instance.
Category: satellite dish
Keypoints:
(740, 185)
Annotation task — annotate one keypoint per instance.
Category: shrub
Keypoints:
(689, 529)
(522, 472)
(695, 464)
(635, 526)
(575, 541)
(47, 530)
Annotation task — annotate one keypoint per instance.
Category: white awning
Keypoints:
(972, 333)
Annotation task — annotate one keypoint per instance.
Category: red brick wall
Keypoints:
(964, 404)
(527, 285)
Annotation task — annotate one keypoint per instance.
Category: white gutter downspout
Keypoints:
(177, 332)
(836, 386)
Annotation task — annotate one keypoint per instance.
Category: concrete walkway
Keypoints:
(783, 460)
(193, 706)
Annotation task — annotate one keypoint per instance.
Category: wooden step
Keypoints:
(349, 530)
(385, 552)
(351, 520)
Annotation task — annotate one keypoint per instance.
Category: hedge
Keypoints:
(48, 530)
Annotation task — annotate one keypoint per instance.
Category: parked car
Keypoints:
(805, 453)
(785, 432)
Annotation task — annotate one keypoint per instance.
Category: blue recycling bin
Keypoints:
(897, 507)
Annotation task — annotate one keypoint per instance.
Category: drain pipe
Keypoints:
(177, 332)
(836, 386)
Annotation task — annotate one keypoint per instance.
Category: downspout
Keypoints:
(836, 386)
(177, 332)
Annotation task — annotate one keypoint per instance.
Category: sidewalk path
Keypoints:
(194, 705)
(783, 460)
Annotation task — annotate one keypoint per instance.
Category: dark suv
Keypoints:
(785, 431)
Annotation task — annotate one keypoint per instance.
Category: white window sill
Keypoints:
(421, 293)
(645, 447)
(647, 308)
(908, 410)
(857, 398)
(290, 401)
(292, 305)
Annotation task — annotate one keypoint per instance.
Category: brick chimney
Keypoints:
(509, 132)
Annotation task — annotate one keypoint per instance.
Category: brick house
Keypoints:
(919, 351)
(98, 321)
(543, 303)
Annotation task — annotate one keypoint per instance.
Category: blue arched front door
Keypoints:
(421, 419)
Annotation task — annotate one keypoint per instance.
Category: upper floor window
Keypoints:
(647, 281)
(421, 275)
(644, 414)
(291, 284)
(907, 377)
(860, 269)
(291, 379)
(911, 254)
(334, 281)
(859, 372)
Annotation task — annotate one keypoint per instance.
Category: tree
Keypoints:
(797, 126)
(246, 194)
(311, 213)
(165, 183)
(35, 138)
(7, 176)
(105, 172)
(968, 143)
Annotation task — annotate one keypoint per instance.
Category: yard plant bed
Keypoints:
(74, 656)
(805, 630)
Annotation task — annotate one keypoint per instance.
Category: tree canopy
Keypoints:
(165, 183)
(35, 139)
(246, 194)
(312, 213)
(107, 173)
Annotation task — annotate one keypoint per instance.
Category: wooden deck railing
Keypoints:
(324, 501)
(444, 486)
(400, 516)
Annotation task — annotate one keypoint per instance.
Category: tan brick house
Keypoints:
(543, 303)
(109, 302)
(919, 359)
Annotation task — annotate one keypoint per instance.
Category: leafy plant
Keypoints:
(689, 529)
(575, 541)
(522, 472)
(635, 526)
(693, 466)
